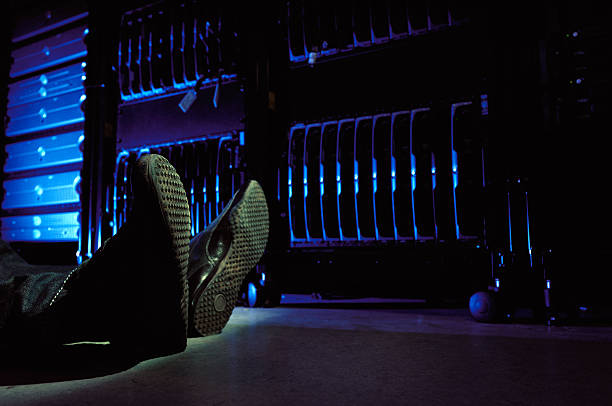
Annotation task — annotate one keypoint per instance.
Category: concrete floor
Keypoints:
(382, 354)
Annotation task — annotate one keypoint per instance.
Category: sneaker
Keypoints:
(222, 255)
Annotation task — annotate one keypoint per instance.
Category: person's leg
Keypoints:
(133, 291)
(25, 289)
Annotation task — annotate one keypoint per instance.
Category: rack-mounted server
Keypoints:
(44, 132)
(209, 167)
(317, 29)
(414, 174)
(168, 46)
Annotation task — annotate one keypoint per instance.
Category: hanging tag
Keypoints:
(188, 100)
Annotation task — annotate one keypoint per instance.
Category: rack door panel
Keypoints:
(348, 180)
(383, 176)
(422, 133)
(314, 181)
(331, 180)
(405, 176)
(468, 170)
(297, 183)
(364, 155)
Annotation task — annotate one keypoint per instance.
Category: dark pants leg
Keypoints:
(25, 292)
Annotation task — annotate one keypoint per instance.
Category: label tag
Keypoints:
(188, 100)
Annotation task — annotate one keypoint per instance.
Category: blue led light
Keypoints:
(484, 105)
(217, 187)
(393, 176)
(305, 181)
(36, 220)
(36, 234)
(321, 181)
(43, 79)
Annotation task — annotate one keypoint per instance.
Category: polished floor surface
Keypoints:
(365, 353)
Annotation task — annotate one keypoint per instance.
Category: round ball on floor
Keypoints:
(482, 307)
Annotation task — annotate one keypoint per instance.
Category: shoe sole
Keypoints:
(249, 226)
(171, 333)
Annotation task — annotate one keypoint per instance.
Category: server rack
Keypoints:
(166, 52)
(44, 133)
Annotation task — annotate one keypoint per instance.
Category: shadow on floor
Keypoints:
(63, 363)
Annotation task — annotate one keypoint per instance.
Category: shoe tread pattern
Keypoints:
(177, 216)
(249, 224)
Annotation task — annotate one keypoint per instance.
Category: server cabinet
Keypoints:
(44, 133)
(167, 51)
